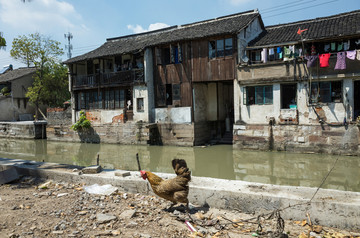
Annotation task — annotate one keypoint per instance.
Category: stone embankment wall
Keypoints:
(331, 139)
(23, 130)
(59, 129)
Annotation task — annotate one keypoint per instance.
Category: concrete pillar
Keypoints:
(237, 101)
(276, 101)
(149, 80)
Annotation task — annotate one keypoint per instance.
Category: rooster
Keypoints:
(176, 189)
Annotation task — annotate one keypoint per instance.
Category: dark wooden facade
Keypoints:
(195, 67)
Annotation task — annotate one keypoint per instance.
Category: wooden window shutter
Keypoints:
(180, 53)
(172, 54)
(158, 55)
(245, 101)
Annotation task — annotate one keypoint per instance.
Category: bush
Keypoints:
(5, 91)
(82, 123)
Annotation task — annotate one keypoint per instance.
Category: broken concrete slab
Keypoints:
(122, 173)
(92, 169)
(8, 175)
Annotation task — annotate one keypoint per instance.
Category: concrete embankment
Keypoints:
(333, 208)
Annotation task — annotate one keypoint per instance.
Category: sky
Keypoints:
(91, 22)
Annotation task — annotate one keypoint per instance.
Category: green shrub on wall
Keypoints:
(82, 123)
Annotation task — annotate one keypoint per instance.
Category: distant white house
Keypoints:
(14, 105)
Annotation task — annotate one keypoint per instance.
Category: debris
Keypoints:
(106, 189)
(8, 175)
(191, 228)
(45, 185)
(92, 169)
(122, 173)
(104, 218)
(62, 194)
(128, 214)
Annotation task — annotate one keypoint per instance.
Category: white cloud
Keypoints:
(44, 16)
(152, 27)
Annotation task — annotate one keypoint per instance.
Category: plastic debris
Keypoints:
(106, 189)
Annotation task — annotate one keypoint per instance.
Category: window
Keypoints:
(168, 94)
(140, 104)
(326, 92)
(288, 96)
(176, 54)
(258, 95)
(255, 56)
(228, 46)
(220, 48)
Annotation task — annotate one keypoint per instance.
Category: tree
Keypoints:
(52, 89)
(2, 41)
(50, 81)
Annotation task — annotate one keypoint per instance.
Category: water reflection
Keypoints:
(215, 161)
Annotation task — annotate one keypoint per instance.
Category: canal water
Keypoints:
(219, 161)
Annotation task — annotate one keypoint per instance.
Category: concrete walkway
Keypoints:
(333, 208)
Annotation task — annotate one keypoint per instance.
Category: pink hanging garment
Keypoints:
(340, 62)
(351, 54)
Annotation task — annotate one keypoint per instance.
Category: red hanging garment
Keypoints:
(324, 60)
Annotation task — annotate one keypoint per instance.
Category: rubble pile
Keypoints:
(33, 208)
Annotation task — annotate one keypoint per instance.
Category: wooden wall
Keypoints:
(195, 67)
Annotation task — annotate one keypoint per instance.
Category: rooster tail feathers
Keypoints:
(180, 168)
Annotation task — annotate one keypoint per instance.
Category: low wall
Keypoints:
(331, 139)
(23, 130)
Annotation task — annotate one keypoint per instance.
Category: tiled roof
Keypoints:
(15, 74)
(344, 24)
(231, 24)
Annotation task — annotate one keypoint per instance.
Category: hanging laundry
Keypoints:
(326, 47)
(351, 54)
(311, 60)
(264, 55)
(340, 62)
(287, 53)
(357, 42)
(300, 52)
(340, 46)
(324, 60)
(271, 51)
(357, 54)
(278, 50)
(346, 45)
(333, 46)
(313, 50)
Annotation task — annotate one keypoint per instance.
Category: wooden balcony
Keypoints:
(121, 78)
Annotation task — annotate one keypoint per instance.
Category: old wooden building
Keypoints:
(299, 87)
(179, 79)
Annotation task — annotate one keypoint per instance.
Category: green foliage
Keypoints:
(36, 50)
(50, 85)
(2, 41)
(82, 123)
(52, 88)
(5, 91)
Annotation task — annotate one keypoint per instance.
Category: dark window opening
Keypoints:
(220, 48)
(140, 104)
(259, 95)
(326, 92)
(288, 96)
(165, 55)
(169, 94)
(255, 56)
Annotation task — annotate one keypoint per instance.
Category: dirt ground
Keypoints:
(31, 207)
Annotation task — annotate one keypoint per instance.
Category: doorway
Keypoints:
(356, 99)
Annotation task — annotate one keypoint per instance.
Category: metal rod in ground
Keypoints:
(138, 162)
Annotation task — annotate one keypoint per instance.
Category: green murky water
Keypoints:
(219, 161)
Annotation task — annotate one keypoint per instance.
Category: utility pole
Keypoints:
(68, 47)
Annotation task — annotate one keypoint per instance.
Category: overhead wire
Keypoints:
(299, 9)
